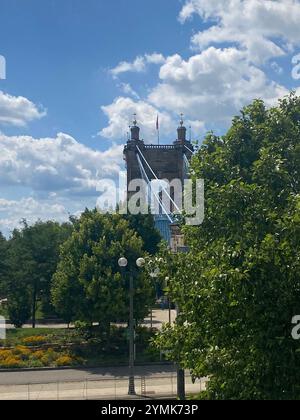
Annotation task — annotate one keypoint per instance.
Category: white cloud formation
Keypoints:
(128, 90)
(138, 65)
(13, 211)
(212, 86)
(264, 28)
(119, 112)
(55, 176)
(226, 71)
(17, 110)
(60, 165)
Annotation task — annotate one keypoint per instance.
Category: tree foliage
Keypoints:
(239, 286)
(143, 224)
(32, 259)
(3, 264)
(88, 285)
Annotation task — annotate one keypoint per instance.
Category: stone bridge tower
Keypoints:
(166, 161)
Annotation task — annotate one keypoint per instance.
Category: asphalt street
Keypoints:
(79, 375)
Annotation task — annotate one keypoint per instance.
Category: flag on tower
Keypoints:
(157, 129)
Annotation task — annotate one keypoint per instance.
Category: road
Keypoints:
(77, 375)
(159, 317)
(153, 381)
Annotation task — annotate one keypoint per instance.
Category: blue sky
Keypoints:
(76, 72)
(58, 54)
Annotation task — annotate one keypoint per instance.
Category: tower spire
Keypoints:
(181, 119)
(135, 130)
(181, 130)
(134, 120)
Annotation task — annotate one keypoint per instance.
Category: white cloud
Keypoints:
(58, 165)
(264, 28)
(17, 110)
(226, 71)
(212, 86)
(13, 211)
(119, 112)
(55, 176)
(138, 65)
(128, 90)
(154, 58)
(275, 66)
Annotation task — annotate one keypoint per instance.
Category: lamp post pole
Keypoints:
(123, 262)
(131, 390)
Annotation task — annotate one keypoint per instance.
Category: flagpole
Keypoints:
(157, 128)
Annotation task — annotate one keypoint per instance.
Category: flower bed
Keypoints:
(23, 356)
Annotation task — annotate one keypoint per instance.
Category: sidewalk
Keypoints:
(107, 389)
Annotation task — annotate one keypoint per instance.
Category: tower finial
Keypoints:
(181, 131)
(181, 119)
(134, 120)
(135, 130)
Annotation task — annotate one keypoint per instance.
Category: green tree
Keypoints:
(3, 264)
(238, 288)
(145, 228)
(33, 254)
(88, 285)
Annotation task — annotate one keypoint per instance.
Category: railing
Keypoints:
(159, 146)
(151, 387)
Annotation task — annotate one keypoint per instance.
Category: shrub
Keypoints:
(22, 351)
(64, 360)
(4, 354)
(36, 363)
(51, 355)
(35, 340)
(12, 362)
(39, 354)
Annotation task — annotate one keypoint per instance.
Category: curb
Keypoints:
(62, 368)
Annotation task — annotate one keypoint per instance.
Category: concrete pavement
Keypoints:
(104, 383)
(80, 374)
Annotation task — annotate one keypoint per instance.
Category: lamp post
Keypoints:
(123, 262)
(154, 274)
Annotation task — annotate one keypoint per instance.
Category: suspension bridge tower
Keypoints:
(158, 162)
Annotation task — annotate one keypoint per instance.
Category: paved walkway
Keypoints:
(103, 383)
(159, 318)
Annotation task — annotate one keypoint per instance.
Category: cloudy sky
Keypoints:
(77, 70)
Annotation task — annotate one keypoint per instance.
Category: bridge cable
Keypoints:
(143, 172)
(168, 195)
(190, 150)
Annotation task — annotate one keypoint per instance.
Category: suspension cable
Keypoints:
(168, 195)
(186, 161)
(190, 150)
(143, 172)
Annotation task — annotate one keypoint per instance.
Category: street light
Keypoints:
(154, 274)
(123, 263)
(140, 262)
